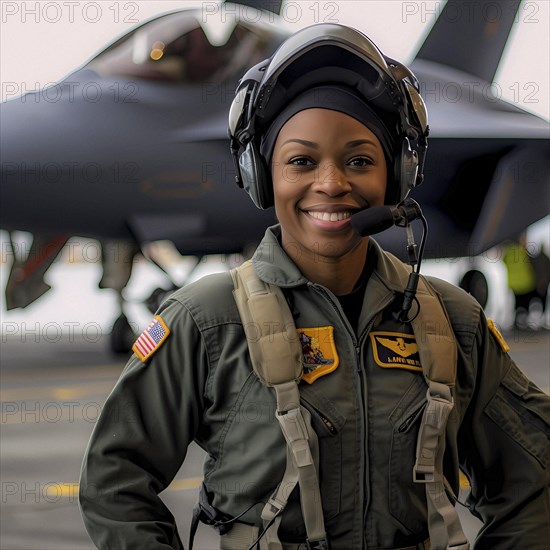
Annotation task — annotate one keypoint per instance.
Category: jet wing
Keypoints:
(212, 129)
(519, 195)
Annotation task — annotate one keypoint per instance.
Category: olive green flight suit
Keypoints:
(199, 385)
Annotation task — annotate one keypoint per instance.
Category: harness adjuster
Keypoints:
(292, 424)
(322, 544)
(294, 430)
(423, 474)
(275, 507)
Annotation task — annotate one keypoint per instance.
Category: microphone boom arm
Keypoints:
(379, 218)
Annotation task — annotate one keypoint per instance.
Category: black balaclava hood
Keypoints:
(336, 98)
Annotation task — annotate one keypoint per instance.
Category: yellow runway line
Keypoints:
(69, 489)
(62, 393)
(185, 484)
(464, 482)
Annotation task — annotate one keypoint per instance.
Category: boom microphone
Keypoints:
(379, 218)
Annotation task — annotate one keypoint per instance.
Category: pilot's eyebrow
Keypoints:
(357, 142)
(302, 142)
(313, 145)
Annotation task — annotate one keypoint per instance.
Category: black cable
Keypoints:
(422, 241)
(412, 284)
(261, 535)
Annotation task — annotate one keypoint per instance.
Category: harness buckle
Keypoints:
(275, 507)
(322, 544)
(423, 473)
(209, 515)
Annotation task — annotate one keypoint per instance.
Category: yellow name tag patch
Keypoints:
(395, 350)
(319, 352)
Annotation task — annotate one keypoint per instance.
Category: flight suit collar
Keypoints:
(271, 263)
(382, 286)
(273, 266)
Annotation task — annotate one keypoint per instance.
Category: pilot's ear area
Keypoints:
(405, 174)
(255, 176)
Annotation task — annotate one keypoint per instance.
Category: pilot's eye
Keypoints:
(360, 162)
(301, 161)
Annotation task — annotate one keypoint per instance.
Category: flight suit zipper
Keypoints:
(406, 424)
(361, 380)
(328, 424)
(359, 383)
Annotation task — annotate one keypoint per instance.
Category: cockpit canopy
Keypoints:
(188, 47)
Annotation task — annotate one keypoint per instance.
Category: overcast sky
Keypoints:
(41, 41)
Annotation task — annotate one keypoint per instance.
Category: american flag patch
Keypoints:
(151, 339)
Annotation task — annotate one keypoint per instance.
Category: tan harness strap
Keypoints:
(432, 328)
(276, 356)
(274, 348)
(439, 356)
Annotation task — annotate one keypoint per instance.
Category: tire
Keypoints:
(475, 283)
(122, 335)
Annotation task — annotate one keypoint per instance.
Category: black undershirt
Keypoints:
(353, 302)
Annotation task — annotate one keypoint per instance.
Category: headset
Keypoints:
(323, 54)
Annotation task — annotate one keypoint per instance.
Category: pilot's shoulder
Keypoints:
(209, 300)
(463, 309)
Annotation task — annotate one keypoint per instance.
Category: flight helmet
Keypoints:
(342, 57)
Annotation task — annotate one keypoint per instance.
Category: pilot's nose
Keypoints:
(331, 179)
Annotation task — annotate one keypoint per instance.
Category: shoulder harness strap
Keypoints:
(438, 355)
(276, 356)
(277, 360)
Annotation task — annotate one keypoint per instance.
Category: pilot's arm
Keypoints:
(505, 451)
(141, 439)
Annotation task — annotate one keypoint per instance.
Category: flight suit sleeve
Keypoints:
(141, 438)
(505, 450)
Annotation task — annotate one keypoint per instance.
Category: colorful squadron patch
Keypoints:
(151, 339)
(320, 356)
(395, 350)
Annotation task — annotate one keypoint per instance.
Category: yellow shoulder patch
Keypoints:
(151, 339)
(395, 350)
(498, 336)
(319, 352)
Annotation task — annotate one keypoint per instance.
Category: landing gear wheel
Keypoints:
(475, 283)
(122, 335)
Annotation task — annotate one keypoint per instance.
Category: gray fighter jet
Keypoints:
(132, 147)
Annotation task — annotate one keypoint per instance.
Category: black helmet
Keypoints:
(319, 55)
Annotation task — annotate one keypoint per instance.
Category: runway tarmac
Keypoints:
(51, 396)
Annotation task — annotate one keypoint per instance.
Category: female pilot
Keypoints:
(401, 382)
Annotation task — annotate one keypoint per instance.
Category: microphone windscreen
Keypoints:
(373, 220)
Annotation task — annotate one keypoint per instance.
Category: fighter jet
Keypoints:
(134, 149)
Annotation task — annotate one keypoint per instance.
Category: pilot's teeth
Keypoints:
(330, 216)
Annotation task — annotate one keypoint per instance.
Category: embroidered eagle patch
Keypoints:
(395, 350)
(319, 352)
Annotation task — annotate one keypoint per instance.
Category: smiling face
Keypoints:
(326, 165)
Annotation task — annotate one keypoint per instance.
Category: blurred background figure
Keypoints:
(541, 265)
(521, 279)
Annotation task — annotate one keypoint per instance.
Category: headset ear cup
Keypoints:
(406, 171)
(255, 176)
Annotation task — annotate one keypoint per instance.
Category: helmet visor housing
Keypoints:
(330, 54)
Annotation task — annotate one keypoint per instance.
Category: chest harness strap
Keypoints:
(276, 356)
